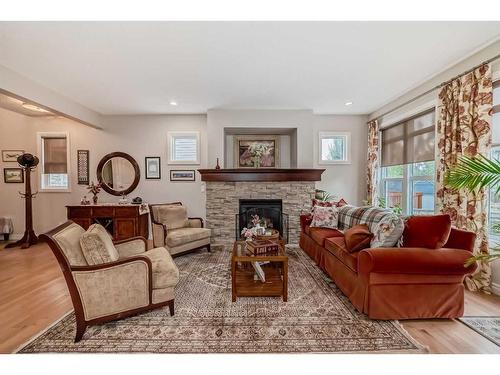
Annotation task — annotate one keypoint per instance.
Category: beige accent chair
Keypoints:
(111, 280)
(177, 232)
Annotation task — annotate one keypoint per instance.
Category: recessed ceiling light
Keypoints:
(348, 103)
(173, 102)
(33, 107)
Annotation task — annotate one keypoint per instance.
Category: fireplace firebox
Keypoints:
(270, 211)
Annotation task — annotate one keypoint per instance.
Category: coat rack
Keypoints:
(28, 163)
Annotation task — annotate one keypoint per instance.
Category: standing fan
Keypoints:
(28, 163)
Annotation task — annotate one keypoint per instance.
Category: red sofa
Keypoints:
(398, 282)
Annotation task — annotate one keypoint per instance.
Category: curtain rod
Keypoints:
(436, 87)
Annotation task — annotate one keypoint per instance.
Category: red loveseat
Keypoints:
(398, 282)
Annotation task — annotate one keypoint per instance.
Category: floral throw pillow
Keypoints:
(388, 231)
(325, 217)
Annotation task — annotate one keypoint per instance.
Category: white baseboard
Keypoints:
(495, 289)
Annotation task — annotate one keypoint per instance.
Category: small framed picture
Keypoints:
(153, 167)
(183, 175)
(11, 155)
(83, 166)
(13, 176)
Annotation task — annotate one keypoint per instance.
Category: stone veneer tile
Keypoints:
(223, 205)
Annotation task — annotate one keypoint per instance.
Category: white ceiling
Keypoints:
(139, 67)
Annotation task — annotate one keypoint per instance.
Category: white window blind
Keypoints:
(184, 148)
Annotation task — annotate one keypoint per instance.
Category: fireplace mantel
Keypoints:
(260, 174)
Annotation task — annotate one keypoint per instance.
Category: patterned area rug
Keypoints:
(487, 326)
(316, 318)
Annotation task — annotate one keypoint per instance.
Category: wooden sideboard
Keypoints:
(121, 221)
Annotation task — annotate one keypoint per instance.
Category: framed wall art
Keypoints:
(13, 175)
(11, 155)
(83, 166)
(153, 167)
(256, 151)
(183, 175)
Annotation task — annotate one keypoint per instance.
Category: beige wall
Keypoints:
(139, 136)
(142, 136)
(347, 181)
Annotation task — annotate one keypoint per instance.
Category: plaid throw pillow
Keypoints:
(386, 227)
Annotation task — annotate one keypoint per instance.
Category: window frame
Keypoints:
(407, 183)
(347, 147)
(40, 170)
(171, 138)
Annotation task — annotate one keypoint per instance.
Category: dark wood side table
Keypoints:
(242, 273)
(121, 221)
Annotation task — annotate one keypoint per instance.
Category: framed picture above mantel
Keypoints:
(256, 151)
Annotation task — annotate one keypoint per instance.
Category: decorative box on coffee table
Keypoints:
(244, 283)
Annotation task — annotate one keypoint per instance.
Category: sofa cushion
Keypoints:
(97, 246)
(307, 229)
(317, 202)
(325, 217)
(357, 238)
(172, 216)
(431, 232)
(177, 237)
(165, 272)
(337, 246)
(320, 234)
(388, 231)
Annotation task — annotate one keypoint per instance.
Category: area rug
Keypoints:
(487, 326)
(316, 318)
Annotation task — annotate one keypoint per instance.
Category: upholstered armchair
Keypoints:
(109, 281)
(174, 230)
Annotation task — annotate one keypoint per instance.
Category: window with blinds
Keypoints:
(410, 141)
(54, 166)
(184, 148)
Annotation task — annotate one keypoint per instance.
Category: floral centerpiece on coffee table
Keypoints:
(257, 225)
(94, 189)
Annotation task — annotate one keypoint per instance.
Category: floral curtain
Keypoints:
(372, 171)
(463, 128)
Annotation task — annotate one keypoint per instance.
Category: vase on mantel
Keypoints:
(94, 199)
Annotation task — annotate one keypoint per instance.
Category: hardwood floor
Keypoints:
(33, 295)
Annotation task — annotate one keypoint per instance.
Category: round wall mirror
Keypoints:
(118, 173)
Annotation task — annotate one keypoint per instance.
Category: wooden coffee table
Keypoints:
(242, 273)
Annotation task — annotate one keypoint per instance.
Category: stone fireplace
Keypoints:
(225, 188)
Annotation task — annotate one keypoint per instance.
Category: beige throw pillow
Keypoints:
(173, 217)
(97, 246)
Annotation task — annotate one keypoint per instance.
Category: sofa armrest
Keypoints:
(131, 246)
(411, 260)
(305, 220)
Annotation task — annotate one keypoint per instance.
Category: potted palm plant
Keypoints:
(475, 173)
